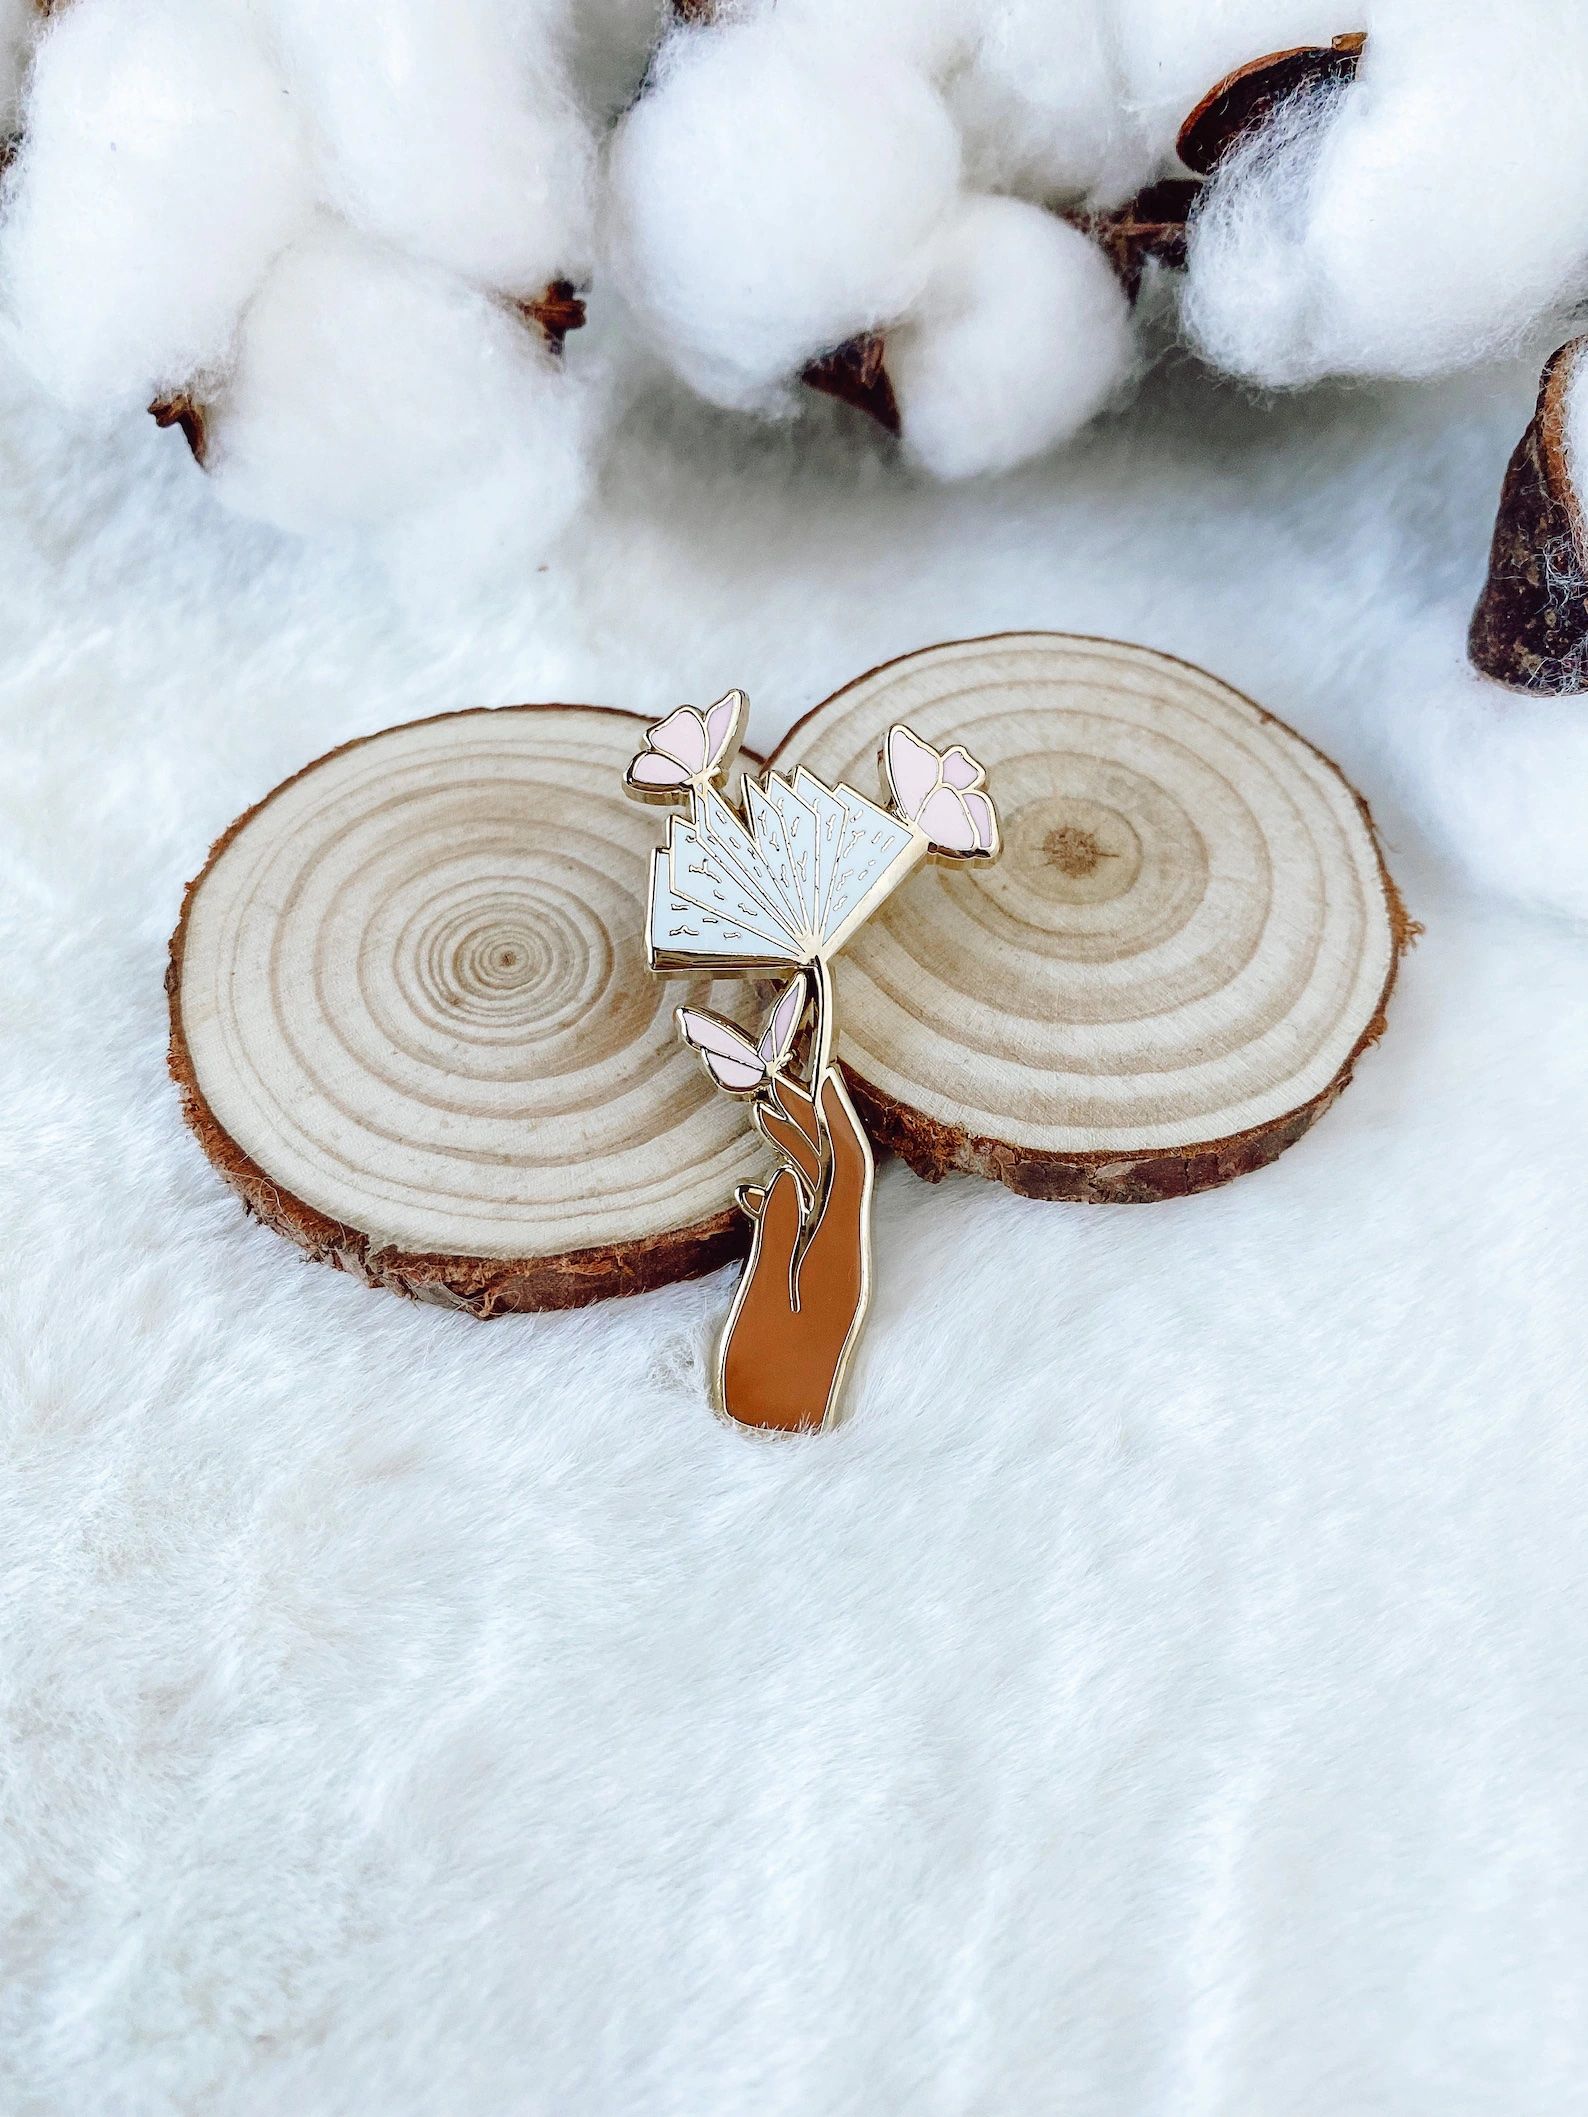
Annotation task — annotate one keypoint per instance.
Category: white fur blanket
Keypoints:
(408, 1715)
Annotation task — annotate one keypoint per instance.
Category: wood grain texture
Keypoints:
(412, 1022)
(1189, 941)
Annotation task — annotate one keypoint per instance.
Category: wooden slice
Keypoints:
(1189, 941)
(413, 1025)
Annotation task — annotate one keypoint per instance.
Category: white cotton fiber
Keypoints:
(1040, 107)
(609, 53)
(934, 34)
(160, 171)
(449, 130)
(770, 198)
(1418, 220)
(1169, 54)
(1079, 101)
(1575, 425)
(1021, 335)
(369, 386)
(17, 19)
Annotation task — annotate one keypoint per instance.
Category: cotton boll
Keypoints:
(933, 34)
(1416, 221)
(450, 131)
(1040, 106)
(1022, 335)
(1169, 55)
(1080, 100)
(368, 386)
(1249, 291)
(160, 172)
(770, 198)
(1452, 198)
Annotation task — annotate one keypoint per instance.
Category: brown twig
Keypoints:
(554, 313)
(1148, 229)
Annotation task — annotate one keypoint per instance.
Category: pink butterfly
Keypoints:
(731, 1059)
(689, 747)
(941, 793)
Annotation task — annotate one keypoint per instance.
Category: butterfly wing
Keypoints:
(731, 1059)
(947, 821)
(985, 818)
(723, 729)
(912, 767)
(651, 772)
(782, 1025)
(681, 736)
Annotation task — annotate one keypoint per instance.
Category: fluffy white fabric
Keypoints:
(349, 345)
(161, 170)
(1419, 220)
(1166, 1694)
(1021, 334)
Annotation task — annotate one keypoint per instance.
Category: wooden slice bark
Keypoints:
(1188, 943)
(412, 1022)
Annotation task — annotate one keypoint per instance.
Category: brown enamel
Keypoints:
(803, 1293)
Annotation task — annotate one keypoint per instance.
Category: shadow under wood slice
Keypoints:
(1530, 628)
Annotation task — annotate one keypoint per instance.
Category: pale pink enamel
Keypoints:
(652, 769)
(682, 735)
(719, 728)
(709, 1032)
(947, 822)
(731, 1074)
(912, 771)
(960, 769)
(984, 820)
(782, 1023)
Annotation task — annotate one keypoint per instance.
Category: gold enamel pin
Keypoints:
(781, 886)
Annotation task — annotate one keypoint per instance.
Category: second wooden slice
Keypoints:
(1189, 941)
(413, 1025)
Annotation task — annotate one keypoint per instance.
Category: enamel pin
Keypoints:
(781, 886)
